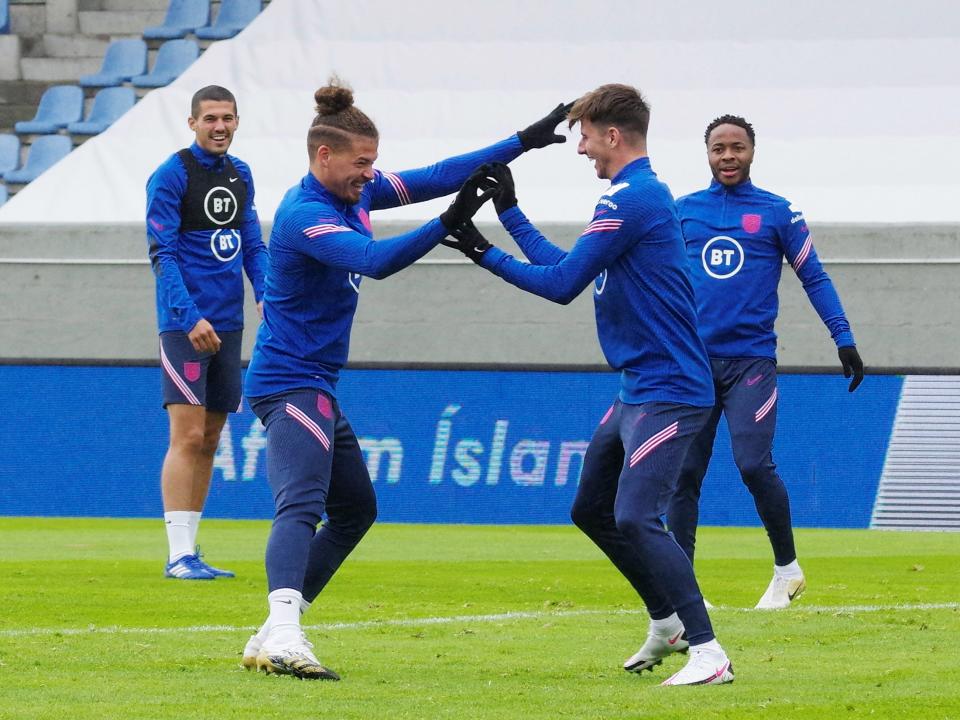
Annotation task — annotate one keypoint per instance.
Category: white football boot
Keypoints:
(658, 645)
(706, 666)
(292, 658)
(781, 592)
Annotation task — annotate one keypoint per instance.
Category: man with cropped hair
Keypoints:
(737, 236)
(632, 251)
(202, 233)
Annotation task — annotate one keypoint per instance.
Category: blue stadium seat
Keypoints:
(4, 17)
(9, 153)
(44, 153)
(108, 105)
(233, 17)
(173, 58)
(123, 60)
(183, 16)
(59, 106)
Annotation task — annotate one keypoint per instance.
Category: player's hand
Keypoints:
(852, 365)
(543, 131)
(505, 196)
(204, 338)
(478, 188)
(469, 241)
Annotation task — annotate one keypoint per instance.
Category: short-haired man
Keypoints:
(632, 251)
(737, 236)
(202, 231)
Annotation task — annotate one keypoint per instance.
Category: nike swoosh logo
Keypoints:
(234, 179)
(754, 380)
(792, 595)
(288, 602)
(675, 638)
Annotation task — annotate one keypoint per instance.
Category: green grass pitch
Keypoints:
(469, 622)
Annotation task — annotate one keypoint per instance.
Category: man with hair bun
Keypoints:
(320, 250)
(737, 236)
(203, 232)
(632, 251)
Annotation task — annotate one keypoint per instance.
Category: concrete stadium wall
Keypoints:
(72, 292)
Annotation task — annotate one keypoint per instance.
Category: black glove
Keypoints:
(543, 132)
(852, 365)
(469, 241)
(505, 196)
(468, 201)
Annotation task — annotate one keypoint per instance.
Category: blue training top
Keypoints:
(320, 249)
(633, 251)
(196, 277)
(736, 240)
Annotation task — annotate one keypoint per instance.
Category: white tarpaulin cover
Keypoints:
(856, 104)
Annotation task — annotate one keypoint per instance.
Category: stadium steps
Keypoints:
(45, 49)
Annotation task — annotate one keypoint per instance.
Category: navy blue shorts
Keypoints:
(208, 379)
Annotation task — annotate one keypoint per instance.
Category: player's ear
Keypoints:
(192, 123)
(322, 156)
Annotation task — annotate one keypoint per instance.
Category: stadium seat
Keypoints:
(183, 16)
(108, 105)
(123, 60)
(44, 153)
(59, 106)
(173, 58)
(4, 18)
(233, 17)
(9, 153)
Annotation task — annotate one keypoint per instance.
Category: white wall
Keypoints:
(856, 103)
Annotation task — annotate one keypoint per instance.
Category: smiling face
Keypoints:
(596, 144)
(730, 153)
(214, 125)
(344, 172)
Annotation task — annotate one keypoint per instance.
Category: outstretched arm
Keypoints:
(534, 245)
(600, 244)
(412, 186)
(326, 239)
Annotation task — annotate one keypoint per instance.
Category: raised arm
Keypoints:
(327, 239)
(534, 245)
(599, 245)
(412, 186)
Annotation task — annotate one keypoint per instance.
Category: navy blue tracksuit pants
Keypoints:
(629, 474)
(746, 391)
(315, 467)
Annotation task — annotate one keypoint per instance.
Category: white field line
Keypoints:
(494, 618)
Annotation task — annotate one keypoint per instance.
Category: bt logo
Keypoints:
(220, 205)
(722, 257)
(225, 244)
